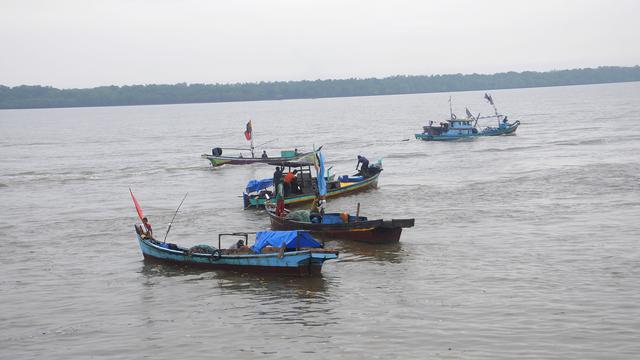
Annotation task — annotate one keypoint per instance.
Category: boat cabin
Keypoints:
(455, 127)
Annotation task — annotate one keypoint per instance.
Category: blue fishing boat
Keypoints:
(455, 128)
(283, 252)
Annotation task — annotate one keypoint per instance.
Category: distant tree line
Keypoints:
(22, 97)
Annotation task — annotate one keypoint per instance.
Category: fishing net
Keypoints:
(299, 215)
(202, 249)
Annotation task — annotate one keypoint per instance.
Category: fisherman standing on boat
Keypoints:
(277, 180)
(289, 181)
(504, 123)
(364, 169)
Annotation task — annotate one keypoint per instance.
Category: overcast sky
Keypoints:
(88, 43)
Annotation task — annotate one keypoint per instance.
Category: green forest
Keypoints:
(25, 96)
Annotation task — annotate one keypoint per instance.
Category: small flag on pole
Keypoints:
(489, 98)
(247, 132)
(469, 114)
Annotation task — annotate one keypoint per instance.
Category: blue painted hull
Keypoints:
(501, 131)
(304, 262)
(428, 137)
(486, 132)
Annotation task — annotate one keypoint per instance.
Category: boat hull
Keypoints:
(371, 231)
(429, 137)
(232, 160)
(295, 199)
(511, 129)
(299, 263)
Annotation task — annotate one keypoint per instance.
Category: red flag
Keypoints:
(135, 202)
(247, 133)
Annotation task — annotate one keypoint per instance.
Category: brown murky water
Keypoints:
(524, 246)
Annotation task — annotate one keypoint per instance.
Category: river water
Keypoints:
(524, 246)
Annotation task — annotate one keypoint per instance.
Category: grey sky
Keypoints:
(90, 43)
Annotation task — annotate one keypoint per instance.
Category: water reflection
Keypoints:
(357, 251)
(249, 283)
(267, 298)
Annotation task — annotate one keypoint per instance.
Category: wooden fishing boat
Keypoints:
(288, 156)
(217, 159)
(283, 252)
(452, 129)
(505, 128)
(455, 129)
(334, 226)
(307, 189)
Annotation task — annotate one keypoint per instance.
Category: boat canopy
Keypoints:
(256, 185)
(292, 239)
(292, 164)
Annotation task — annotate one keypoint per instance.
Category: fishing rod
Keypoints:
(174, 217)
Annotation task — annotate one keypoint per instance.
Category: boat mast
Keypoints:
(495, 109)
(450, 109)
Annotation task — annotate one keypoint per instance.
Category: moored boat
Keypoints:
(283, 252)
(341, 226)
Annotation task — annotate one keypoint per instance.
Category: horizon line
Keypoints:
(319, 79)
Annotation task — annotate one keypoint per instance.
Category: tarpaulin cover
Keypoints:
(332, 219)
(277, 238)
(347, 178)
(257, 185)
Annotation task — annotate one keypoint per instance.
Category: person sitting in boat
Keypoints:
(264, 154)
(364, 169)
(318, 205)
(239, 245)
(317, 209)
(147, 231)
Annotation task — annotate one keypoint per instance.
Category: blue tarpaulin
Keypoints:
(292, 239)
(257, 185)
(332, 219)
(347, 178)
(322, 183)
